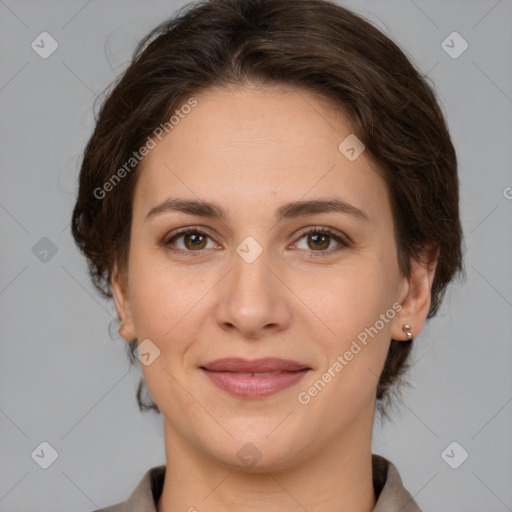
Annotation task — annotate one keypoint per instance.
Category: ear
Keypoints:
(415, 296)
(120, 290)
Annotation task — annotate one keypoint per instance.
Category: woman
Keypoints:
(270, 196)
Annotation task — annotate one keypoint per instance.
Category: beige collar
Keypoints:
(390, 492)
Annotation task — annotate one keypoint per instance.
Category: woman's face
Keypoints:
(254, 284)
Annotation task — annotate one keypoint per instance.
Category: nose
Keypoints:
(253, 299)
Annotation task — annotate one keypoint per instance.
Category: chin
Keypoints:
(257, 452)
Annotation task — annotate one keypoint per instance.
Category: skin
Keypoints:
(251, 150)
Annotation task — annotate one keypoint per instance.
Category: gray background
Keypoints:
(65, 381)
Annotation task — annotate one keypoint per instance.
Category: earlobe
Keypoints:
(415, 301)
(119, 285)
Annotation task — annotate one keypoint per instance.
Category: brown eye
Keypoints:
(319, 241)
(194, 241)
(191, 241)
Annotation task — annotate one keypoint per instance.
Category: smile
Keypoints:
(254, 379)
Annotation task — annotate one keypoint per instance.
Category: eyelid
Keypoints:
(325, 230)
(184, 231)
(342, 240)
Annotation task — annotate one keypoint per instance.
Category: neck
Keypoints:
(339, 477)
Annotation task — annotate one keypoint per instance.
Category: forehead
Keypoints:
(249, 146)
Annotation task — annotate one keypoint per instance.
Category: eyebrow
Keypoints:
(287, 211)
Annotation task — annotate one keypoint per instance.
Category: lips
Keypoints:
(267, 364)
(255, 378)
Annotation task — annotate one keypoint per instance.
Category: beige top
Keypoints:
(389, 490)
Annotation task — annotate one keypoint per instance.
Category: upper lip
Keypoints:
(266, 364)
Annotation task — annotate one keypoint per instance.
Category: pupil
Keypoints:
(319, 239)
(195, 239)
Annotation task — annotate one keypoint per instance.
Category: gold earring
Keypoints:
(407, 329)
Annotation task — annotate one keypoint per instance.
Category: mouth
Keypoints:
(256, 378)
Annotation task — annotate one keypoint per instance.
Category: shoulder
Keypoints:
(389, 489)
(145, 494)
(122, 506)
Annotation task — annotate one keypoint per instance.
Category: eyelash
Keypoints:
(313, 231)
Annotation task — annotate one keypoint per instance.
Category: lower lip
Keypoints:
(245, 386)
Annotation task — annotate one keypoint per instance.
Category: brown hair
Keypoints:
(315, 45)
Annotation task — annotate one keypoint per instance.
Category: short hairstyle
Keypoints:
(313, 45)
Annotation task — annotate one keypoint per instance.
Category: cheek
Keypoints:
(361, 319)
(353, 297)
(160, 298)
(358, 308)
